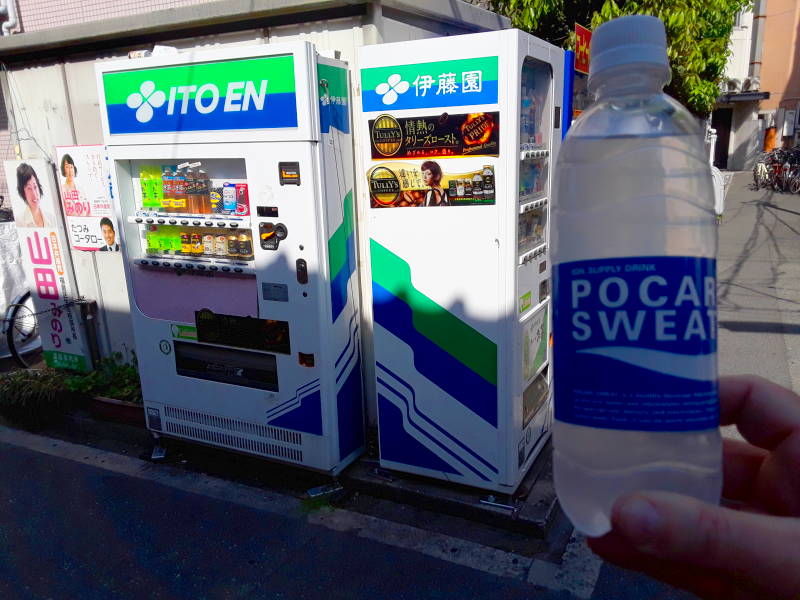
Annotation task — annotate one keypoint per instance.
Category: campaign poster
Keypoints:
(46, 262)
(83, 177)
(427, 184)
(443, 135)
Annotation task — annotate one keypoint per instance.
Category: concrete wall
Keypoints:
(744, 145)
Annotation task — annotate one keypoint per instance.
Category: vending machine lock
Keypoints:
(271, 235)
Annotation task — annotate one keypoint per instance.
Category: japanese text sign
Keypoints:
(583, 41)
(84, 180)
(474, 134)
(464, 82)
(46, 260)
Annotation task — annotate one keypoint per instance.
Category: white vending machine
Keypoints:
(232, 178)
(463, 132)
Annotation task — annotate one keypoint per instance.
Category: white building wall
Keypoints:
(739, 61)
(743, 146)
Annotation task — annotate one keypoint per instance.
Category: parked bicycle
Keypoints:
(21, 328)
(779, 170)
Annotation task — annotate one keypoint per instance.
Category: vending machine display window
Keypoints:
(532, 229)
(193, 214)
(535, 120)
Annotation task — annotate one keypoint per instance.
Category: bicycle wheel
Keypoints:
(794, 184)
(21, 327)
(755, 177)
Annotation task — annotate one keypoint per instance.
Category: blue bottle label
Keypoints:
(635, 343)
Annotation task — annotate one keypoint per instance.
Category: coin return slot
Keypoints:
(270, 235)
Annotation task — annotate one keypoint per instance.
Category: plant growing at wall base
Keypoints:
(113, 377)
(33, 398)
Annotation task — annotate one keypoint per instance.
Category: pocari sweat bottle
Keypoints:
(634, 246)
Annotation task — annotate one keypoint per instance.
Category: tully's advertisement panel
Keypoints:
(426, 183)
(443, 135)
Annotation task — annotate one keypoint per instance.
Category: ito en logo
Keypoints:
(145, 100)
(393, 87)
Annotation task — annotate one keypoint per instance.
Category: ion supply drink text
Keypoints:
(642, 333)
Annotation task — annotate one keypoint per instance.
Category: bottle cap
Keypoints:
(634, 39)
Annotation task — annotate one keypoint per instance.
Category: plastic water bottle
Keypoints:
(634, 246)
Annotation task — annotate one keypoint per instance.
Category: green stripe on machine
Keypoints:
(451, 334)
(277, 70)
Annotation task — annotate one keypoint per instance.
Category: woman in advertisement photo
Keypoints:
(69, 171)
(436, 195)
(30, 190)
(75, 202)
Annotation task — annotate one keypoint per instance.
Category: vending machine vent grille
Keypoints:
(245, 427)
(234, 441)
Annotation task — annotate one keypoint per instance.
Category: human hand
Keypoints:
(749, 550)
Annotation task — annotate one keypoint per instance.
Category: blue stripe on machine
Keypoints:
(426, 434)
(300, 391)
(350, 412)
(353, 353)
(441, 368)
(306, 418)
(342, 278)
(398, 446)
(431, 422)
(334, 115)
(280, 110)
(349, 340)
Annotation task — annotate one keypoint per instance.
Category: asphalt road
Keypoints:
(759, 283)
(77, 522)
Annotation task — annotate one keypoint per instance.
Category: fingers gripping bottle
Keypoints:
(634, 246)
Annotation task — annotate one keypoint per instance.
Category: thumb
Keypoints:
(759, 549)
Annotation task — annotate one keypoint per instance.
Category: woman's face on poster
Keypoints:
(32, 194)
